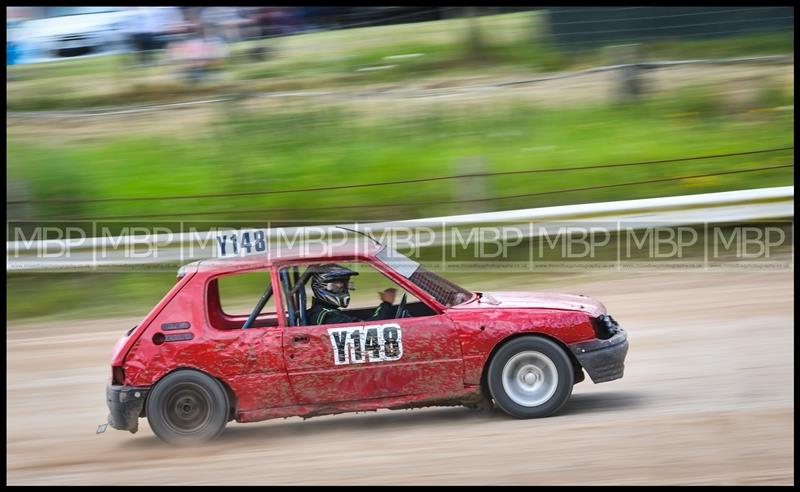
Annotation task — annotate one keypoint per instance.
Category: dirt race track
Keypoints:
(707, 398)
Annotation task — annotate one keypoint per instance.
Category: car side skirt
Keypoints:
(470, 396)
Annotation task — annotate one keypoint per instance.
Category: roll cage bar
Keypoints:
(294, 287)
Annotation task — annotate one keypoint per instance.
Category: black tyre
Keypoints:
(187, 407)
(530, 377)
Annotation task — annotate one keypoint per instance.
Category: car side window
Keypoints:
(233, 298)
(367, 289)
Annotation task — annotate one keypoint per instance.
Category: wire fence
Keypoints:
(646, 38)
(589, 27)
(426, 203)
(658, 28)
(451, 13)
(393, 182)
(659, 17)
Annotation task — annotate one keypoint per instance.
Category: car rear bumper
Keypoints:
(125, 404)
(603, 360)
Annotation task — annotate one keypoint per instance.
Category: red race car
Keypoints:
(191, 365)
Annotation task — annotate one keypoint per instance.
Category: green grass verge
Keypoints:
(317, 147)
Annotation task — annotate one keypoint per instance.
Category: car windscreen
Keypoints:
(441, 289)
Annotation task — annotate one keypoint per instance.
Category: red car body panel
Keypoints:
(481, 333)
(274, 370)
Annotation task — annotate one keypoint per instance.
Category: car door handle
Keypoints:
(300, 339)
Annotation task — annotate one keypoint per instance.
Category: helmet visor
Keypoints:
(339, 286)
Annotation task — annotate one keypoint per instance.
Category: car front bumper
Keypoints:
(125, 404)
(603, 360)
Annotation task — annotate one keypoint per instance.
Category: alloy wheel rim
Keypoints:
(530, 378)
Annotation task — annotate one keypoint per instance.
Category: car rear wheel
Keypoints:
(187, 407)
(530, 377)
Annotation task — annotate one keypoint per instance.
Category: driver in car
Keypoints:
(331, 287)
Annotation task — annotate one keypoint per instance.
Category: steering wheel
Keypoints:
(401, 307)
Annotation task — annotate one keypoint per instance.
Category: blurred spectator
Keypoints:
(151, 28)
(199, 54)
(227, 22)
(273, 21)
(267, 23)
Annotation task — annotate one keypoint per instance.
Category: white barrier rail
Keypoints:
(742, 205)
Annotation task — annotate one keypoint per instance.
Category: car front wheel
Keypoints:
(187, 407)
(530, 377)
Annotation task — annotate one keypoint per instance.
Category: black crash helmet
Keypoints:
(331, 283)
